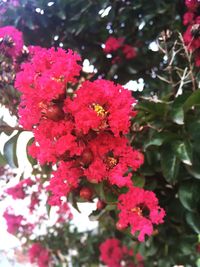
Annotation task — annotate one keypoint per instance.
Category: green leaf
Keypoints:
(198, 262)
(158, 139)
(169, 163)
(189, 194)
(193, 99)
(193, 219)
(2, 160)
(153, 107)
(138, 181)
(72, 199)
(96, 214)
(177, 115)
(193, 127)
(183, 151)
(177, 112)
(31, 159)
(194, 170)
(9, 151)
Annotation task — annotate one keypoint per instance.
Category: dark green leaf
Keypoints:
(193, 99)
(189, 194)
(138, 181)
(177, 115)
(10, 151)
(183, 151)
(194, 170)
(2, 160)
(193, 219)
(159, 138)
(169, 163)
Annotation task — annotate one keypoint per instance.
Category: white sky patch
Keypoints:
(50, 3)
(39, 11)
(87, 67)
(104, 12)
(5, 115)
(153, 47)
(56, 37)
(135, 85)
(141, 26)
(109, 56)
(81, 220)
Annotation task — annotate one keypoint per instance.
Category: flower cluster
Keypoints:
(116, 46)
(16, 223)
(20, 225)
(114, 254)
(83, 136)
(39, 255)
(191, 36)
(42, 82)
(13, 222)
(19, 191)
(139, 209)
(11, 41)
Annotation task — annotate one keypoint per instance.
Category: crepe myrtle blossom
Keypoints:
(192, 4)
(19, 190)
(115, 45)
(43, 82)
(114, 254)
(39, 255)
(102, 105)
(65, 179)
(129, 51)
(13, 222)
(16, 223)
(112, 44)
(113, 156)
(139, 209)
(11, 41)
(54, 141)
(191, 36)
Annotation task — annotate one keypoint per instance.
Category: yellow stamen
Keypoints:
(111, 162)
(137, 210)
(59, 79)
(99, 110)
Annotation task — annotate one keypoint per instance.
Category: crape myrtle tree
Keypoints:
(135, 152)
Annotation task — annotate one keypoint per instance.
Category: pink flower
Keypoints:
(34, 201)
(188, 18)
(14, 222)
(197, 59)
(113, 253)
(112, 44)
(40, 255)
(192, 4)
(139, 209)
(101, 105)
(129, 51)
(64, 213)
(191, 35)
(43, 81)
(18, 191)
(191, 40)
(54, 140)
(113, 156)
(11, 41)
(64, 179)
